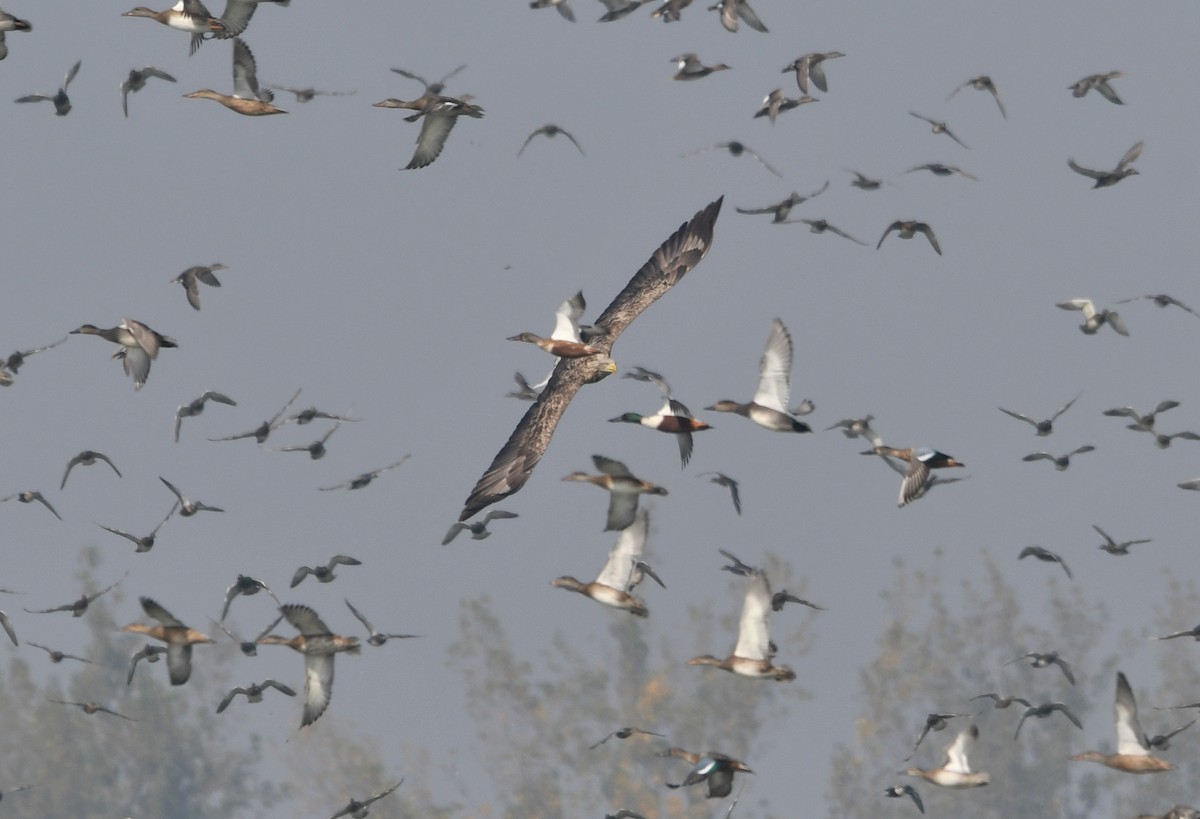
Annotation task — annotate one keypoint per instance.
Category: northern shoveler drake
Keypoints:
(939, 128)
(358, 810)
(195, 407)
(59, 656)
(248, 586)
(1044, 555)
(623, 733)
(1061, 462)
(933, 722)
(752, 655)
(263, 430)
(254, 693)
(623, 489)
(323, 574)
(7, 625)
(1142, 423)
(10, 23)
(955, 771)
(440, 113)
(1094, 319)
(377, 637)
(1043, 427)
(809, 67)
(999, 701)
(17, 360)
(136, 81)
(780, 210)
(29, 496)
(316, 450)
(91, 708)
(938, 169)
(673, 418)
(563, 6)
(359, 481)
(188, 507)
(982, 83)
(86, 458)
(247, 97)
(1161, 299)
(721, 479)
(735, 148)
(768, 408)
(186, 15)
(143, 544)
(1133, 752)
(690, 67)
(250, 647)
(820, 226)
(1043, 660)
(550, 130)
(62, 103)
(149, 652)
(1113, 547)
(318, 645)
(139, 346)
(715, 769)
(733, 10)
(776, 103)
(918, 476)
(908, 228)
(478, 529)
(896, 791)
(1044, 710)
(1106, 179)
(190, 279)
(515, 461)
(622, 572)
(80, 606)
(178, 637)
(1099, 83)
(431, 88)
(309, 94)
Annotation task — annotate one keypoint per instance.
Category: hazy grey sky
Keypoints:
(389, 294)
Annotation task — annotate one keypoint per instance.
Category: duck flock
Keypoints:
(694, 213)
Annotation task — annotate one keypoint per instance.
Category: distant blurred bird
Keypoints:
(938, 169)
(721, 479)
(616, 9)
(1162, 300)
(323, 574)
(149, 652)
(358, 810)
(1098, 83)
(376, 638)
(1113, 547)
(62, 103)
(144, 544)
(865, 182)
(776, 103)
(999, 701)
(86, 458)
(780, 210)
(431, 88)
(312, 413)
(1094, 319)
(188, 507)
(982, 83)
(254, 693)
(909, 229)
(896, 791)
(91, 708)
(309, 94)
(263, 430)
(17, 360)
(58, 656)
(819, 226)
(939, 127)
(1061, 462)
(735, 149)
(316, 450)
(550, 130)
(478, 529)
(809, 67)
(933, 722)
(1044, 710)
(782, 597)
(670, 10)
(733, 10)
(1142, 423)
(1046, 556)
(194, 408)
(1043, 427)
(7, 625)
(858, 428)
(191, 278)
(29, 496)
(136, 81)
(1105, 179)
(359, 481)
(690, 67)
(622, 733)
(1040, 660)
(248, 586)
(250, 647)
(563, 6)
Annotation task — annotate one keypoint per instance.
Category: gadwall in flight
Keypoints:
(1040, 660)
(1044, 427)
(316, 450)
(247, 98)
(939, 127)
(194, 408)
(186, 15)
(820, 226)
(188, 507)
(982, 83)
(734, 10)
(62, 103)
(17, 360)
(1133, 752)
(1044, 710)
(254, 693)
(515, 461)
(809, 67)
(1113, 547)
(907, 229)
(143, 544)
(431, 88)
(616, 9)
(735, 148)
(263, 430)
(623, 490)
(178, 637)
(776, 103)
(690, 67)
(58, 656)
(622, 572)
(91, 708)
(318, 645)
(674, 418)
(358, 810)
(938, 169)
(780, 210)
(896, 791)
(86, 458)
(441, 114)
(918, 476)
(715, 769)
(190, 280)
(999, 701)
(1099, 83)
(359, 481)
(248, 586)
(250, 647)
(29, 496)
(139, 346)
(7, 625)
(1046, 556)
(1094, 319)
(80, 606)
(478, 529)
(721, 479)
(550, 130)
(933, 722)
(623, 733)
(377, 637)
(1106, 179)
(1161, 299)
(768, 408)
(324, 574)
(309, 94)
(753, 654)
(955, 771)
(563, 6)
(10, 23)
(136, 81)
(1061, 462)
(1141, 423)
